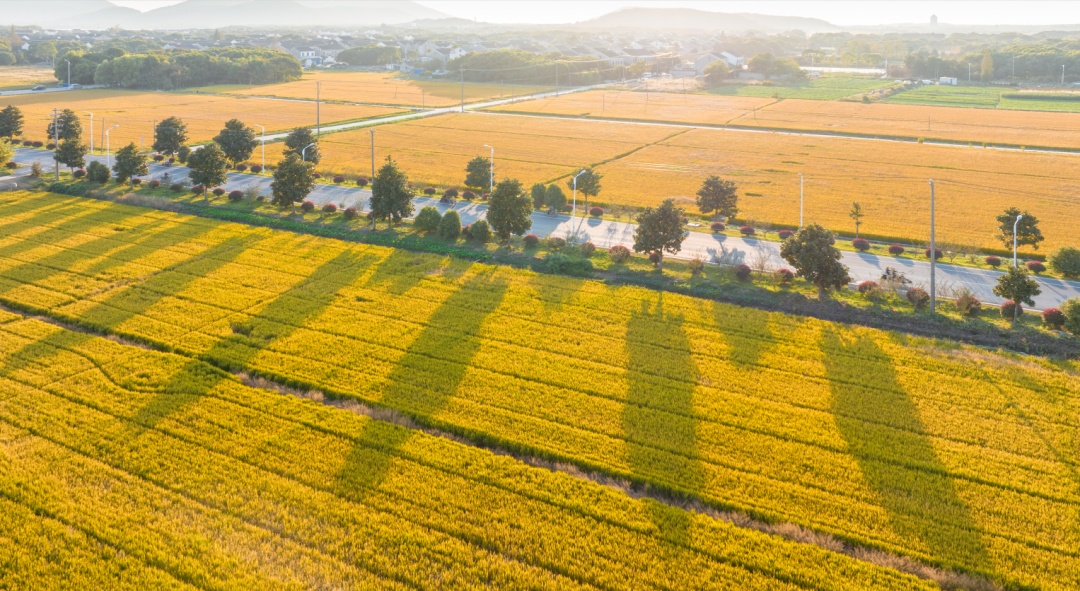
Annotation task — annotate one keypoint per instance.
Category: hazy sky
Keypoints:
(849, 12)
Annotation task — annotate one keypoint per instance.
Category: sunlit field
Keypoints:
(24, 77)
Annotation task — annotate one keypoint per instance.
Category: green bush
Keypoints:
(557, 262)
(479, 231)
(1071, 309)
(98, 173)
(1066, 260)
(450, 225)
(428, 219)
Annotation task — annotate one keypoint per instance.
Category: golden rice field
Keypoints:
(948, 454)
(386, 89)
(1023, 128)
(205, 115)
(22, 77)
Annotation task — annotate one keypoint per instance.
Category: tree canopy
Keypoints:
(509, 209)
(813, 254)
(169, 135)
(718, 196)
(391, 198)
(370, 55)
(167, 70)
(1017, 285)
(65, 127)
(478, 173)
(237, 141)
(11, 121)
(297, 140)
(588, 183)
(72, 154)
(208, 166)
(294, 179)
(660, 230)
(129, 163)
(1027, 231)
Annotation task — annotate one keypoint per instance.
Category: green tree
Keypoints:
(987, 69)
(478, 173)
(1027, 231)
(856, 214)
(66, 127)
(716, 73)
(208, 166)
(391, 198)
(761, 63)
(718, 196)
(1016, 285)
(72, 154)
(11, 122)
(169, 136)
(6, 153)
(1071, 309)
(814, 257)
(660, 230)
(538, 193)
(237, 141)
(588, 184)
(509, 210)
(1066, 260)
(450, 225)
(301, 138)
(129, 163)
(182, 154)
(97, 172)
(294, 179)
(428, 219)
(554, 198)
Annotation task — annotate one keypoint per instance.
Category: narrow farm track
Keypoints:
(785, 418)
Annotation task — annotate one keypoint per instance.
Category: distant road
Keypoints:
(606, 234)
(47, 90)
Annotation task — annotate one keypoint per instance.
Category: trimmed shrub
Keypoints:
(596, 212)
(937, 253)
(557, 262)
(241, 167)
(530, 240)
(587, 249)
(785, 234)
(742, 272)
(197, 189)
(747, 230)
(307, 206)
(350, 213)
(429, 190)
(784, 276)
(329, 208)
(159, 157)
(362, 181)
(1066, 260)
(78, 174)
(865, 287)
(218, 192)
(154, 184)
(479, 231)
(183, 154)
(1007, 309)
(316, 175)
(696, 265)
(1053, 318)
(655, 257)
(135, 182)
(918, 297)
(171, 160)
(97, 172)
(48, 146)
(12, 165)
(485, 196)
(468, 195)
(28, 144)
(993, 261)
(451, 193)
(861, 244)
(1035, 267)
(1071, 309)
(619, 254)
(717, 227)
(450, 225)
(176, 187)
(428, 219)
(967, 304)
(236, 195)
(896, 250)
(40, 144)
(255, 168)
(568, 208)
(556, 243)
(338, 179)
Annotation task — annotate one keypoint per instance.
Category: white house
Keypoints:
(731, 59)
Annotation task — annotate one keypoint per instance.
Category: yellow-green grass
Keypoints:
(205, 115)
(22, 77)
(385, 89)
(180, 475)
(948, 454)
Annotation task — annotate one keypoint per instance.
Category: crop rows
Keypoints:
(956, 457)
(203, 481)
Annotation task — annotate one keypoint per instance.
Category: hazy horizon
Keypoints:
(845, 13)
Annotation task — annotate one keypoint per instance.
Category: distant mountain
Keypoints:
(41, 12)
(692, 19)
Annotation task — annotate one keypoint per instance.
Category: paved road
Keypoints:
(605, 234)
(46, 90)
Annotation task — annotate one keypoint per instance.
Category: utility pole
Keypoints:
(318, 109)
(1063, 74)
(263, 142)
(91, 133)
(800, 200)
(461, 75)
(1013, 77)
(933, 254)
(491, 170)
(372, 130)
(56, 141)
(1015, 225)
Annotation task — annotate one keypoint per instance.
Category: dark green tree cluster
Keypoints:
(391, 198)
(660, 230)
(237, 141)
(166, 70)
(815, 258)
(129, 163)
(294, 180)
(11, 122)
(516, 66)
(169, 136)
(509, 210)
(718, 197)
(370, 55)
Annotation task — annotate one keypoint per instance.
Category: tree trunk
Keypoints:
(821, 293)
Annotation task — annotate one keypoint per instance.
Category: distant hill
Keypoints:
(41, 12)
(692, 19)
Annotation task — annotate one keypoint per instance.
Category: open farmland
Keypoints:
(180, 476)
(204, 115)
(643, 106)
(948, 454)
(825, 88)
(22, 77)
(384, 89)
(990, 98)
(435, 150)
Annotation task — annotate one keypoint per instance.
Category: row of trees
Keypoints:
(166, 70)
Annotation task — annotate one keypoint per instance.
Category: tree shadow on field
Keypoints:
(658, 417)
(403, 270)
(746, 331)
(39, 213)
(66, 228)
(280, 318)
(425, 378)
(922, 502)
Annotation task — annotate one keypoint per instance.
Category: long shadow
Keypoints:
(280, 318)
(403, 270)
(741, 328)
(924, 507)
(66, 228)
(425, 378)
(39, 212)
(661, 435)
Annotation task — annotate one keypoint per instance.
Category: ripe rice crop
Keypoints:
(825, 88)
(645, 106)
(386, 89)
(22, 77)
(184, 477)
(953, 455)
(205, 115)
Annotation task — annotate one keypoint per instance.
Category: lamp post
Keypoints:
(800, 200)
(491, 171)
(303, 152)
(69, 73)
(262, 141)
(1015, 224)
(108, 152)
(933, 254)
(372, 154)
(575, 190)
(91, 132)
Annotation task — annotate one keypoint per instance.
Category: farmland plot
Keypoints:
(952, 455)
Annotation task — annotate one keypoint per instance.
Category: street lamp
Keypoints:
(263, 142)
(108, 153)
(91, 132)
(69, 73)
(800, 200)
(583, 171)
(491, 170)
(1015, 224)
(303, 152)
